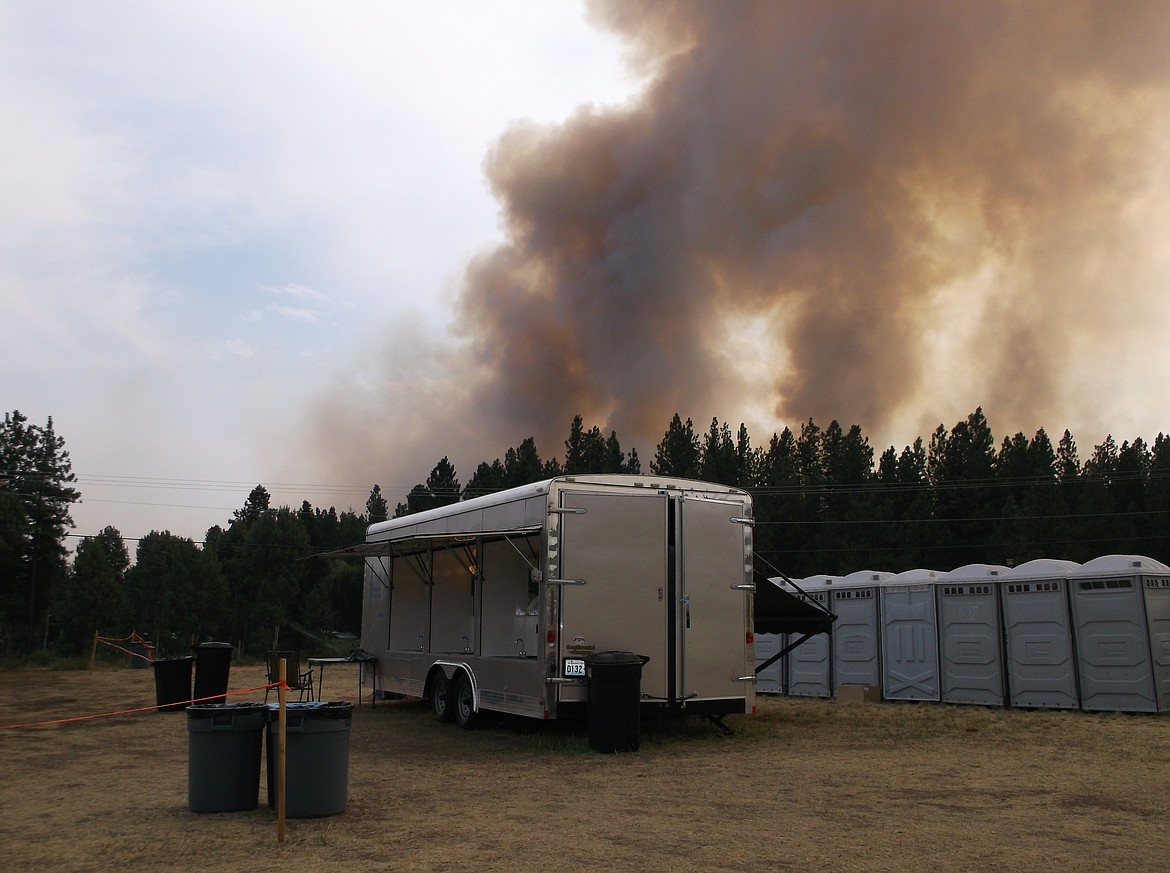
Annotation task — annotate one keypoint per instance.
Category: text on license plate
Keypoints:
(574, 667)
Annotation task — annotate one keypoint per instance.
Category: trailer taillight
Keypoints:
(751, 638)
(552, 637)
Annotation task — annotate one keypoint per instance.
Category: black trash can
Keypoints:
(213, 664)
(172, 683)
(614, 709)
(316, 757)
(140, 654)
(223, 760)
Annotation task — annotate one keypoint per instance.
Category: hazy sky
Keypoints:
(319, 246)
(209, 208)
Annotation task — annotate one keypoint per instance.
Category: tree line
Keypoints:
(822, 504)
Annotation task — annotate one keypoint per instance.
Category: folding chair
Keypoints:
(294, 678)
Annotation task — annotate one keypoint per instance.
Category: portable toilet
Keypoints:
(808, 671)
(1041, 662)
(771, 679)
(856, 652)
(971, 660)
(1121, 624)
(909, 623)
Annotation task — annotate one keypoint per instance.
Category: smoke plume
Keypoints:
(883, 213)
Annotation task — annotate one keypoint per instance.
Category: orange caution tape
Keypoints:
(32, 724)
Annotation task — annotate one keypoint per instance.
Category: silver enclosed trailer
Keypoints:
(499, 602)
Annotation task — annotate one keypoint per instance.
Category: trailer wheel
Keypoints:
(441, 701)
(463, 700)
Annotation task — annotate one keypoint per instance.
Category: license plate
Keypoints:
(574, 668)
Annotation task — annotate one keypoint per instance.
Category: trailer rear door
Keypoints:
(713, 618)
(616, 544)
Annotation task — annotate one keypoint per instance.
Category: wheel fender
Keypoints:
(452, 669)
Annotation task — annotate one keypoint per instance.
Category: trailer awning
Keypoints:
(781, 612)
(421, 542)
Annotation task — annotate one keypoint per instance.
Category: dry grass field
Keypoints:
(803, 785)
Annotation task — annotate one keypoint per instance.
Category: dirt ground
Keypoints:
(803, 784)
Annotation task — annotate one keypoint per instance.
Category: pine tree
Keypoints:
(678, 454)
(36, 471)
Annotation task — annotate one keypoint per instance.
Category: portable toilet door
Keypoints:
(1121, 624)
(810, 665)
(771, 679)
(1041, 661)
(971, 661)
(856, 653)
(909, 623)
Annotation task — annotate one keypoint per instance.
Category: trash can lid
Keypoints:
(173, 660)
(616, 658)
(213, 645)
(210, 710)
(314, 709)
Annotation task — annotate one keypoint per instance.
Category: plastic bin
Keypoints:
(213, 664)
(614, 708)
(140, 654)
(316, 757)
(172, 683)
(223, 760)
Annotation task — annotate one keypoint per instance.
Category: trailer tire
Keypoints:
(463, 702)
(441, 698)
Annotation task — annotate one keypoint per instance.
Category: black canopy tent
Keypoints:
(778, 611)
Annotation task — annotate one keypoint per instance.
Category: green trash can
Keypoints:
(223, 760)
(316, 757)
(213, 664)
(172, 683)
(613, 681)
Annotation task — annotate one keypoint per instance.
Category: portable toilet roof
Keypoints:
(1045, 568)
(1121, 624)
(971, 660)
(1122, 565)
(865, 577)
(975, 571)
(919, 576)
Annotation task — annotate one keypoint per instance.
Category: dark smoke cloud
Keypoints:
(884, 213)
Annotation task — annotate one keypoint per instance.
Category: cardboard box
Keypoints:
(858, 694)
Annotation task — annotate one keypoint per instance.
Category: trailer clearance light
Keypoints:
(552, 637)
(751, 638)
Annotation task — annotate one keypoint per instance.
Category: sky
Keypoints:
(318, 247)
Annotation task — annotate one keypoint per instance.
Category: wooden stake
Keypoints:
(93, 654)
(281, 726)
